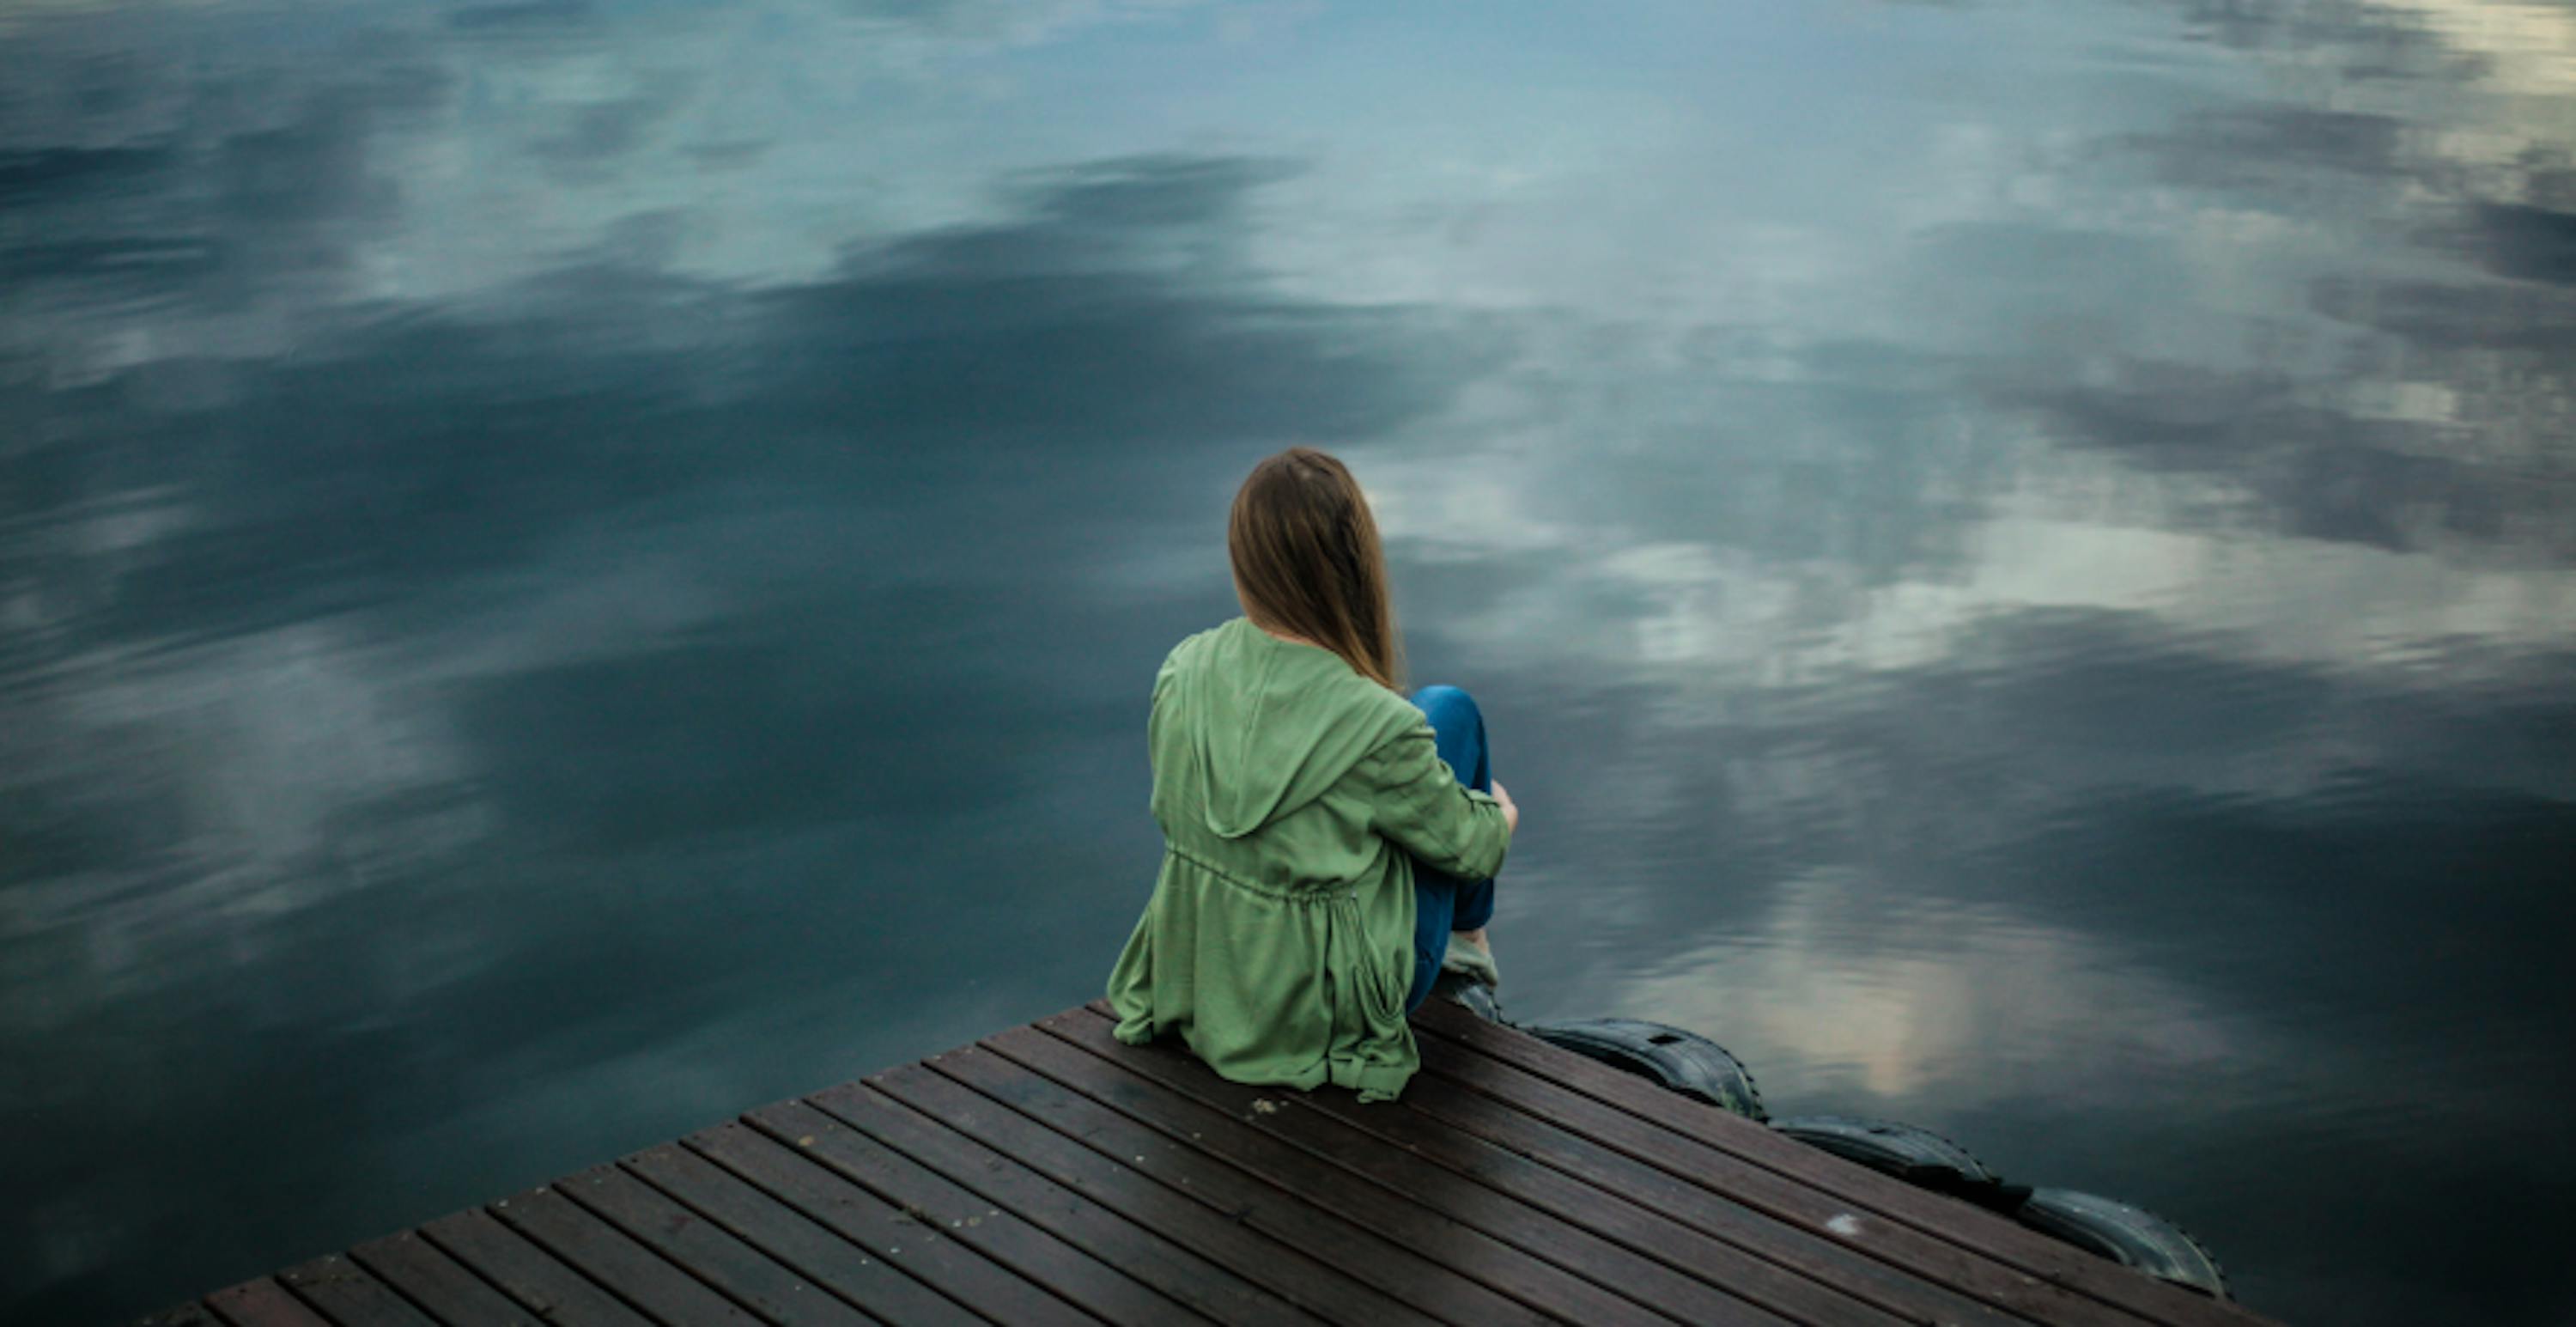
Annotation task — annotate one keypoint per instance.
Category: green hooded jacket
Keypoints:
(1293, 794)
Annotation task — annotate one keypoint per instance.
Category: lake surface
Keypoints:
(568, 568)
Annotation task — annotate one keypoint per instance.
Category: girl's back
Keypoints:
(1295, 794)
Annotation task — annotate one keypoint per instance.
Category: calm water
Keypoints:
(566, 568)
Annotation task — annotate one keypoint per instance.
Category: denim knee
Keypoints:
(1446, 705)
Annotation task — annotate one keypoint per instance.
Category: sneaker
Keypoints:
(1471, 960)
(1478, 996)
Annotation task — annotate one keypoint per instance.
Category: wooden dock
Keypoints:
(1049, 1174)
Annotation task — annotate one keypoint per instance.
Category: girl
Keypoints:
(1322, 858)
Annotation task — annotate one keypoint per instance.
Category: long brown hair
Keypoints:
(1307, 561)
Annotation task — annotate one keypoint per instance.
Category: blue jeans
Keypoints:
(1445, 903)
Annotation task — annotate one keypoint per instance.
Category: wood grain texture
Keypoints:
(1054, 1175)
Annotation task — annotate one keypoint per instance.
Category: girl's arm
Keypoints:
(1419, 804)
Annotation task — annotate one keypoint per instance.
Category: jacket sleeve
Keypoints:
(1417, 802)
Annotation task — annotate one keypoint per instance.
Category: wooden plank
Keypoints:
(1067, 1256)
(1147, 1231)
(740, 1272)
(1421, 1273)
(609, 1257)
(441, 1286)
(1710, 1209)
(1093, 1209)
(1710, 1212)
(1678, 1248)
(1460, 1040)
(1482, 1096)
(527, 1273)
(960, 1262)
(882, 1277)
(1544, 1262)
(263, 1303)
(1053, 1175)
(347, 1294)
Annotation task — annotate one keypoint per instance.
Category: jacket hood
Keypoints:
(1247, 728)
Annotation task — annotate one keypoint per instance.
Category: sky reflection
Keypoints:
(567, 567)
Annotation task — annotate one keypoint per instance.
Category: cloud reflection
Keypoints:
(461, 615)
(1998, 594)
(1937, 1009)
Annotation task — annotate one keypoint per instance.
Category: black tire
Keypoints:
(1916, 1156)
(1678, 1058)
(2128, 1235)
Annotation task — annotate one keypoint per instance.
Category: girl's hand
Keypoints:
(1511, 809)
